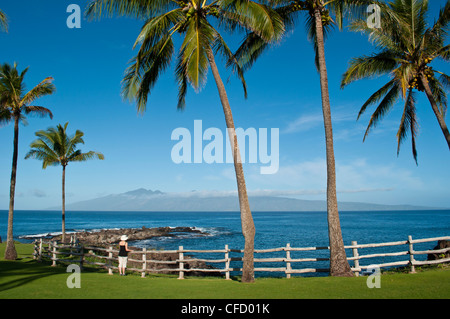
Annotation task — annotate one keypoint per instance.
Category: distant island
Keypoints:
(147, 200)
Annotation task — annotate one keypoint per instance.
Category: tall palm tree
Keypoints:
(319, 23)
(15, 103)
(192, 19)
(55, 147)
(406, 46)
(3, 21)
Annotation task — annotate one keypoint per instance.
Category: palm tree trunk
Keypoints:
(10, 251)
(338, 261)
(248, 226)
(63, 237)
(435, 108)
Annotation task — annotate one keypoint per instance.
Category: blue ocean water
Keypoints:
(273, 229)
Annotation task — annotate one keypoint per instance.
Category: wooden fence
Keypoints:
(181, 264)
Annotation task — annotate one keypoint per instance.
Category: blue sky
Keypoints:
(88, 64)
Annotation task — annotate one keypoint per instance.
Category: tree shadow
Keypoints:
(18, 273)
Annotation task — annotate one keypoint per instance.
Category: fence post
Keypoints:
(40, 250)
(180, 260)
(356, 256)
(71, 244)
(411, 255)
(144, 262)
(227, 263)
(81, 256)
(54, 254)
(110, 256)
(288, 258)
(36, 250)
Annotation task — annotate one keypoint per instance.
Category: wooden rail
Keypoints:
(107, 257)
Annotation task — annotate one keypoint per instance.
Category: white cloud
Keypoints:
(305, 122)
(356, 176)
(262, 192)
(38, 193)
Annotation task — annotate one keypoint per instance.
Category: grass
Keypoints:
(26, 278)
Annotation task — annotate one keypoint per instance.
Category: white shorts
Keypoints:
(123, 262)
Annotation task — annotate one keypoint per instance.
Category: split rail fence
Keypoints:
(106, 257)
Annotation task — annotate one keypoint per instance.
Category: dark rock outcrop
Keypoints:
(112, 236)
(441, 245)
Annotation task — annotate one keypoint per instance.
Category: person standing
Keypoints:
(123, 254)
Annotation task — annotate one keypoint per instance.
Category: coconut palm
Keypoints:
(3, 21)
(55, 147)
(15, 103)
(319, 22)
(406, 46)
(194, 21)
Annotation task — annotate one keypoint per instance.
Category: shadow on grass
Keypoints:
(17, 273)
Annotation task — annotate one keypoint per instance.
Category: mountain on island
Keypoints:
(147, 200)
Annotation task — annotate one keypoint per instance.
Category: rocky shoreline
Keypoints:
(112, 236)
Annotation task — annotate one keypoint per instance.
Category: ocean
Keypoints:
(273, 229)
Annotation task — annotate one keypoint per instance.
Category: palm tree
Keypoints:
(3, 21)
(192, 19)
(55, 147)
(15, 103)
(318, 24)
(407, 45)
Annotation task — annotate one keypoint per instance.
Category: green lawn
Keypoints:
(26, 278)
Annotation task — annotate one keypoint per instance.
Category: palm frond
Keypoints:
(38, 110)
(42, 89)
(250, 50)
(445, 80)
(232, 62)
(82, 157)
(140, 9)
(144, 70)
(42, 151)
(442, 22)
(3, 21)
(71, 143)
(181, 76)
(198, 39)
(383, 108)
(404, 73)
(5, 116)
(438, 90)
(11, 86)
(374, 98)
(369, 66)
(408, 123)
(251, 16)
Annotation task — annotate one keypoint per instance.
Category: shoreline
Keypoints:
(112, 235)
